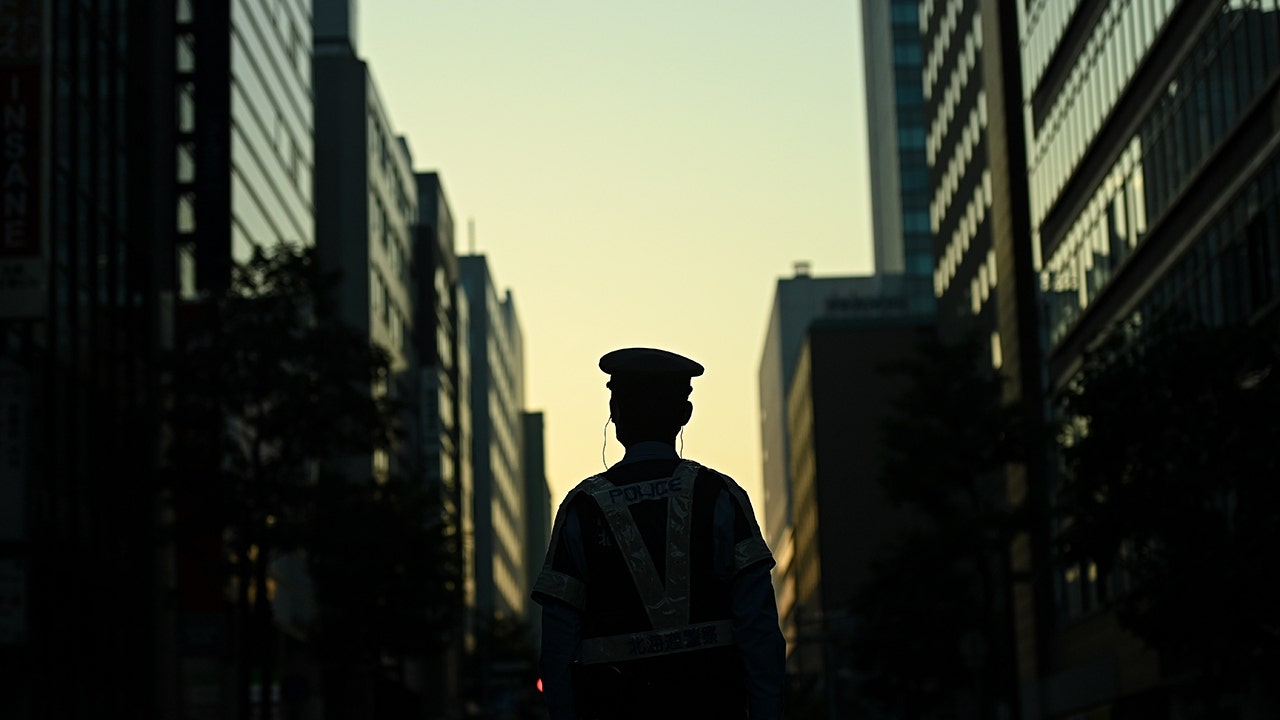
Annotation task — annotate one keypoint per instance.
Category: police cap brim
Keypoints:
(648, 366)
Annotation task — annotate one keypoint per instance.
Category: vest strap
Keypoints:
(665, 599)
(653, 643)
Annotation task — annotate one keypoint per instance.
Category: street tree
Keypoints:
(265, 401)
(1172, 490)
(933, 633)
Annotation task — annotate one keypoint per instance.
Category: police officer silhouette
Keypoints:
(656, 596)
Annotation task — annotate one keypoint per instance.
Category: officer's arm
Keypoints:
(560, 627)
(764, 651)
(559, 590)
(746, 559)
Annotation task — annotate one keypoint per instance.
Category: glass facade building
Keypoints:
(1189, 120)
(243, 156)
(896, 137)
(1153, 154)
(244, 147)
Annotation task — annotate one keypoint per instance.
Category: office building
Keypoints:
(496, 345)
(892, 59)
(798, 302)
(244, 148)
(86, 285)
(444, 431)
(1153, 155)
(984, 274)
(389, 230)
(537, 507)
(840, 396)
(366, 208)
(244, 154)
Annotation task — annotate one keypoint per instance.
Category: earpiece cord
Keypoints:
(604, 441)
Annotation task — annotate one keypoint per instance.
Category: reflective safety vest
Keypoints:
(665, 599)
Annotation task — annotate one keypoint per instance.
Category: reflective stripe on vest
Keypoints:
(652, 643)
(666, 603)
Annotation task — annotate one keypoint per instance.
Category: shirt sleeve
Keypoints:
(560, 628)
(739, 544)
(743, 557)
(563, 577)
(560, 589)
(760, 640)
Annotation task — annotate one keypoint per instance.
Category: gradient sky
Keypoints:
(639, 173)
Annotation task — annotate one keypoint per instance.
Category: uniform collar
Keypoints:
(648, 450)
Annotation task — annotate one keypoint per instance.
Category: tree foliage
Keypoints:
(952, 436)
(272, 383)
(271, 399)
(932, 634)
(386, 567)
(913, 622)
(1173, 488)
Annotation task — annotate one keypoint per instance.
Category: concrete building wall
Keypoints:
(365, 212)
(537, 507)
(497, 372)
(798, 302)
(839, 398)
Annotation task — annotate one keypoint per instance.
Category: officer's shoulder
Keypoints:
(580, 491)
(709, 474)
(588, 482)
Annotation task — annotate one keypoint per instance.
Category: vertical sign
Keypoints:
(22, 272)
(13, 452)
(13, 601)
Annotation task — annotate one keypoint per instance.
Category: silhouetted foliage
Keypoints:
(267, 403)
(272, 385)
(384, 565)
(932, 635)
(914, 618)
(502, 674)
(948, 444)
(1173, 490)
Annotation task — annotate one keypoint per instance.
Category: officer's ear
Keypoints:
(686, 412)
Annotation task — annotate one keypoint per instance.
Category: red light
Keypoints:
(539, 684)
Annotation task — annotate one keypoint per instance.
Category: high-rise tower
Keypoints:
(896, 137)
(86, 304)
(1153, 149)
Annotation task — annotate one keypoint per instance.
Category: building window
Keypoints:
(186, 270)
(186, 163)
(908, 54)
(186, 213)
(1260, 239)
(377, 299)
(186, 62)
(186, 107)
